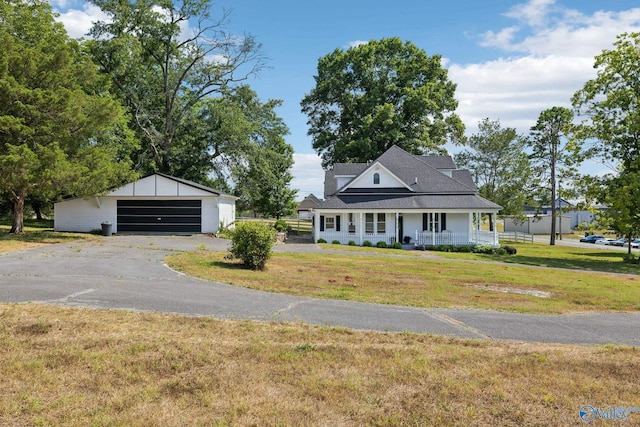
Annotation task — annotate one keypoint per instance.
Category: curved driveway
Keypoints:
(127, 272)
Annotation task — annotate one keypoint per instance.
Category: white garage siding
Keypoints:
(87, 214)
(84, 215)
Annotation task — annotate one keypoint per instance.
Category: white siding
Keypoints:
(209, 215)
(87, 214)
(84, 215)
(387, 179)
(227, 212)
(158, 186)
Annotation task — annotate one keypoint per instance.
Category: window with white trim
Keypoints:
(368, 223)
(329, 223)
(352, 223)
(376, 178)
(382, 223)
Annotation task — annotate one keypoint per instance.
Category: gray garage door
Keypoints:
(160, 216)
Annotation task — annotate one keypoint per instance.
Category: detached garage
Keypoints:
(155, 204)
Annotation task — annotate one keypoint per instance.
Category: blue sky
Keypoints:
(510, 59)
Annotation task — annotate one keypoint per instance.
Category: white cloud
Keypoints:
(556, 48)
(78, 22)
(357, 43)
(308, 175)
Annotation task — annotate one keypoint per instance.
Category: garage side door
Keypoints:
(160, 216)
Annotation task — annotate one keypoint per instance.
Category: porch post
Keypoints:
(360, 228)
(477, 224)
(398, 237)
(316, 226)
(495, 229)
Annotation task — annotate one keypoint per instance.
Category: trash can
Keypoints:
(106, 228)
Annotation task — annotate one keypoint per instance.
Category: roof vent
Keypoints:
(415, 182)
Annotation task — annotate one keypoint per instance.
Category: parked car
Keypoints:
(619, 242)
(591, 239)
(604, 241)
(634, 243)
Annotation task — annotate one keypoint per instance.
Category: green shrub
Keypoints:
(631, 259)
(366, 243)
(251, 242)
(499, 251)
(381, 244)
(482, 249)
(280, 225)
(429, 247)
(336, 242)
(351, 243)
(510, 250)
(464, 248)
(397, 245)
(321, 240)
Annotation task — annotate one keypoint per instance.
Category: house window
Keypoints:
(434, 222)
(368, 223)
(382, 223)
(352, 223)
(329, 223)
(376, 178)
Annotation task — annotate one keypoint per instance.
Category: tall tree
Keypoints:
(621, 195)
(264, 185)
(611, 103)
(553, 150)
(58, 121)
(500, 167)
(165, 58)
(380, 94)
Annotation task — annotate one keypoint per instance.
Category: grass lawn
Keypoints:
(468, 281)
(78, 367)
(591, 258)
(37, 233)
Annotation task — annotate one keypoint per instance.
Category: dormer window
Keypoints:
(376, 178)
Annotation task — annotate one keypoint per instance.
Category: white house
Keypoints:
(157, 203)
(400, 197)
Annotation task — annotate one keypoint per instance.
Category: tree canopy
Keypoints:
(496, 158)
(166, 58)
(58, 121)
(611, 102)
(378, 94)
(552, 151)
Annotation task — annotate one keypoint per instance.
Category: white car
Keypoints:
(634, 243)
(604, 241)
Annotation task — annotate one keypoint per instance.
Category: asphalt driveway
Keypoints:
(127, 272)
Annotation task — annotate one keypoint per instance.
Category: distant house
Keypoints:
(306, 205)
(154, 204)
(571, 214)
(400, 197)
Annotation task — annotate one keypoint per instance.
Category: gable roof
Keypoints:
(155, 185)
(309, 202)
(420, 173)
(431, 182)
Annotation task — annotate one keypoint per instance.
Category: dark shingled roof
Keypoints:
(403, 201)
(430, 186)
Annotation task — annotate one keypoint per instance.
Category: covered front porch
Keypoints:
(407, 227)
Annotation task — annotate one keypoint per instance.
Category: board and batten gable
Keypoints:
(377, 176)
(88, 213)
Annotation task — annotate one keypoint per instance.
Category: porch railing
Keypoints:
(457, 239)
